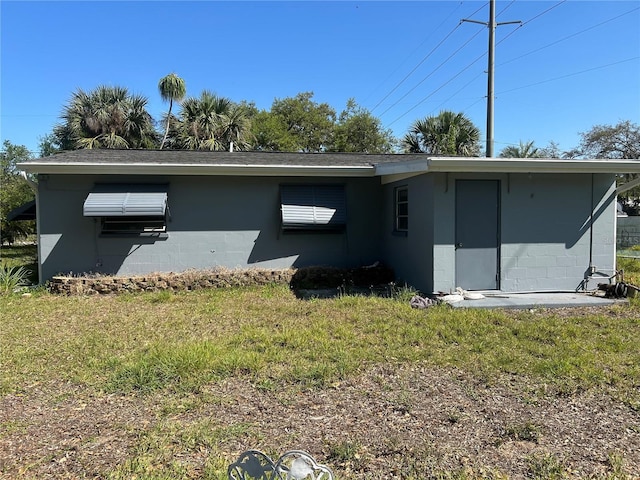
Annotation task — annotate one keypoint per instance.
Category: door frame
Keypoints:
(498, 218)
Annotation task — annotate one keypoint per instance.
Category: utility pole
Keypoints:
(491, 69)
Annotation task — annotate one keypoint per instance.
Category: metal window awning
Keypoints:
(126, 201)
(26, 211)
(313, 206)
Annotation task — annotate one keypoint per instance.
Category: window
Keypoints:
(128, 209)
(313, 207)
(401, 209)
(123, 225)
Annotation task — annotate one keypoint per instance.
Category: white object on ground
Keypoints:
(469, 295)
(452, 298)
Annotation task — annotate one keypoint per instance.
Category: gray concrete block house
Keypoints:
(440, 222)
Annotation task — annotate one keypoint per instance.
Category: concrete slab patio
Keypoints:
(538, 300)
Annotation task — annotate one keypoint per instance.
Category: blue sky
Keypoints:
(571, 65)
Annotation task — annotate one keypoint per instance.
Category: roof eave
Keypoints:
(196, 169)
(508, 165)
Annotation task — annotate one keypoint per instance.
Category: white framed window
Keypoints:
(401, 209)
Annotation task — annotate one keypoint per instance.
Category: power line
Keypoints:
(530, 20)
(439, 88)
(491, 25)
(544, 13)
(476, 60)
(414, 69)
(571, 74)
(415, 50)
(432, 72)
(424, 59)
(505, 38)
(569, 36)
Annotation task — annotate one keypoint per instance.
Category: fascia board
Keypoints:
(196, 169)
(493, 165)
(403, 167)
(508, 165)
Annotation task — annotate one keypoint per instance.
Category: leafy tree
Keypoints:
(552, 150)
(107, 117)
(448, 133)
(48, 145)
(620, 141)
(358, 130)
(524, 150)
(270, 133)
(14, 192)
(295, 124)
(171, 88)
(211, 122)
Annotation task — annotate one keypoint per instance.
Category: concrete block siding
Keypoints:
(552, 228)
(231, 222)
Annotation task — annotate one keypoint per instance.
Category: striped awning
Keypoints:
(126, 201)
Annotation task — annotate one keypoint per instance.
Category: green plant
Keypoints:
(523, 432)
(345, 453)
(403, 293)
(545, 466)
(616, 463)
(11, 278)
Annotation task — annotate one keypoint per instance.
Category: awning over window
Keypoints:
(126, 201)
(313, 206)
(26, 211)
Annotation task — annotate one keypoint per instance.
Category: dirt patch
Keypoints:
(401, 421)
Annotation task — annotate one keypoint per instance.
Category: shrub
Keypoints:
(11, 278)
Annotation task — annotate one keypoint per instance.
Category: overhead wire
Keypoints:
(438, 67)
(415, 50)
(415, 68)
(432, 72)
(570, 36)
(571, 74)
(438, 89)
(541, 48)
(424, 59)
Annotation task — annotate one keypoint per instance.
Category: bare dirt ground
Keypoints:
(390, 422)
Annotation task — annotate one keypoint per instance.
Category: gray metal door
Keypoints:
(477, 234)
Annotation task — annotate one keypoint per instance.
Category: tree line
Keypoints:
(112, 117)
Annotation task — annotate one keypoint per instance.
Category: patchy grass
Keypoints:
(143, 343)
(168, 349)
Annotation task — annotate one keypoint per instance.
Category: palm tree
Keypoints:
(524, 150)
(446, 134)
(171, 88)
(107, 117)
(237, 128)
(211, 123)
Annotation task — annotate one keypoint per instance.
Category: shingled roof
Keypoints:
(205, 162)
(390, 166)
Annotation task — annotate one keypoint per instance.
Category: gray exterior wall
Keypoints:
(547, 239)
(215, 222)
(411, 254)
(545, 231)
